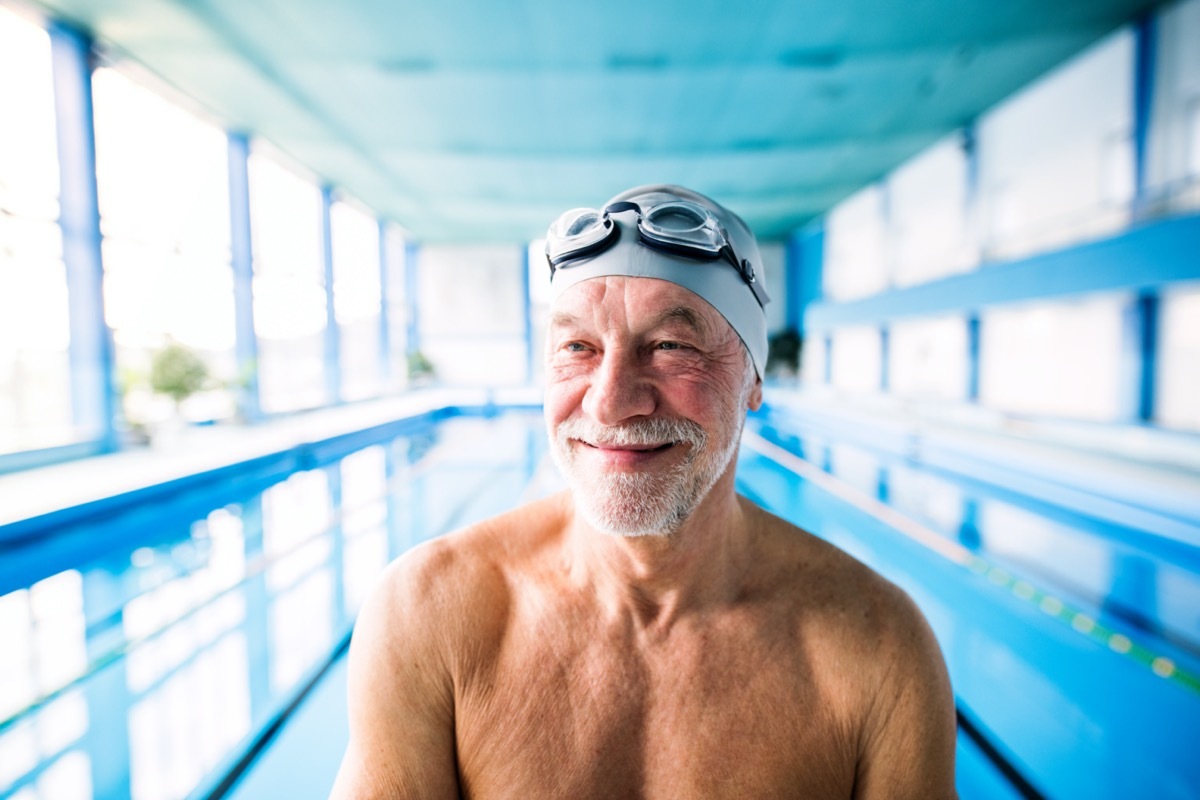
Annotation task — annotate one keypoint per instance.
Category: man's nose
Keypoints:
(619, 390)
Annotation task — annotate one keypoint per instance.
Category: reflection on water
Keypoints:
(142, 672)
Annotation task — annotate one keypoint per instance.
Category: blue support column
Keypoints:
(1139, 357)
(972, 358)
(968, 530)
(242, 259)
(385, 329)
(889, 249)
(95, 401)
(332, 360)
(804, 259)
(827, 343)
(970, 149)
(1144, 60)
(528, 314)
(412, 288)
(885, 348)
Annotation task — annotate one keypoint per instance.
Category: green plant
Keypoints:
(178, 372)
(418, 365)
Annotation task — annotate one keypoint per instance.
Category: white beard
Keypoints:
(652, 503)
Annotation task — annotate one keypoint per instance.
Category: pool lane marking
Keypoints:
(1054, 607)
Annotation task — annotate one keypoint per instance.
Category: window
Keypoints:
(930, 222)
(164, 213)
(856, 359)
(856, 257)
(1178, 388)
(1054, 358)
(289, 280)
(927, 358)
(356, 298)
(1055, 160)
(35, 389)
(477, 336)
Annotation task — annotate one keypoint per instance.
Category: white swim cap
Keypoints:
(673, 234)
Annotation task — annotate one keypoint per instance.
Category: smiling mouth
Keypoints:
(650, 448)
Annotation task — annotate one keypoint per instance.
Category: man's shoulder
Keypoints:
(833, 590)
(461, 582)
(498, 544)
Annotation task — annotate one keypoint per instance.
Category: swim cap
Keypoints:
(714, 279)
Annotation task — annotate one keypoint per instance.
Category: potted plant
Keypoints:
(420, 369)
(177, 372)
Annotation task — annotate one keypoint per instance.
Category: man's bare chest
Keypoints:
(587, 713)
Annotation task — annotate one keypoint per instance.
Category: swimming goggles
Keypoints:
(680, 227)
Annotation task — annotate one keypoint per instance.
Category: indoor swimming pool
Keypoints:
(191, 644)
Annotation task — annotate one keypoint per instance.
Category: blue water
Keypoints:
(143, 653)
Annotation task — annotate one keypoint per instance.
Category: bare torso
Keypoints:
(782, 691)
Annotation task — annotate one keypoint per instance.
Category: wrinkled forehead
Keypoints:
(638, 302)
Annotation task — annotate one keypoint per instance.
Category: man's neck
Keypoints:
(657, 580)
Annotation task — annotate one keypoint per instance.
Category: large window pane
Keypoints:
(1056, 161)
(164, 214)
(1057, 359)
(1173, 166)
(35, 392)
(928, 358)
(472, 325)
(856, 254)
(1178, 389)
(356, 298)
(289, 293)
(929, 221)
(856, 359)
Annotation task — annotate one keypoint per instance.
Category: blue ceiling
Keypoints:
(466, 120)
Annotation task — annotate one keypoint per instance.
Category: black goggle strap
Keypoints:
(743, 267)
(746, 270)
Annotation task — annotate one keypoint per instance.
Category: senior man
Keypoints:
(647, 633)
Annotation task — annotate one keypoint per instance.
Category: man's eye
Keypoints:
(670, 346)
(574, 347)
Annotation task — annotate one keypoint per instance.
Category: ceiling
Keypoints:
(467, 120)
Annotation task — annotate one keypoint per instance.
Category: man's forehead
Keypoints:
(654, 301)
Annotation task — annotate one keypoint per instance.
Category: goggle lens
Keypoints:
(577, 232)
(683, 223)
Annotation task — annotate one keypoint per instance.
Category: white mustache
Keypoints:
(638, 433)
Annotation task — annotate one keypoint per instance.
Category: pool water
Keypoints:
(142, 652)
(150, 653)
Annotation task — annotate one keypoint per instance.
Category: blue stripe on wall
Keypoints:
(1138, 260)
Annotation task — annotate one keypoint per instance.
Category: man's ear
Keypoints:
(756, 395)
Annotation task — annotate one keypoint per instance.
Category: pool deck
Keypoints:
(34, 492)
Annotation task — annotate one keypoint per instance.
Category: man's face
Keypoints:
(647, 388)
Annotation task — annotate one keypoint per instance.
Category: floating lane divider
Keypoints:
(1052, 606)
